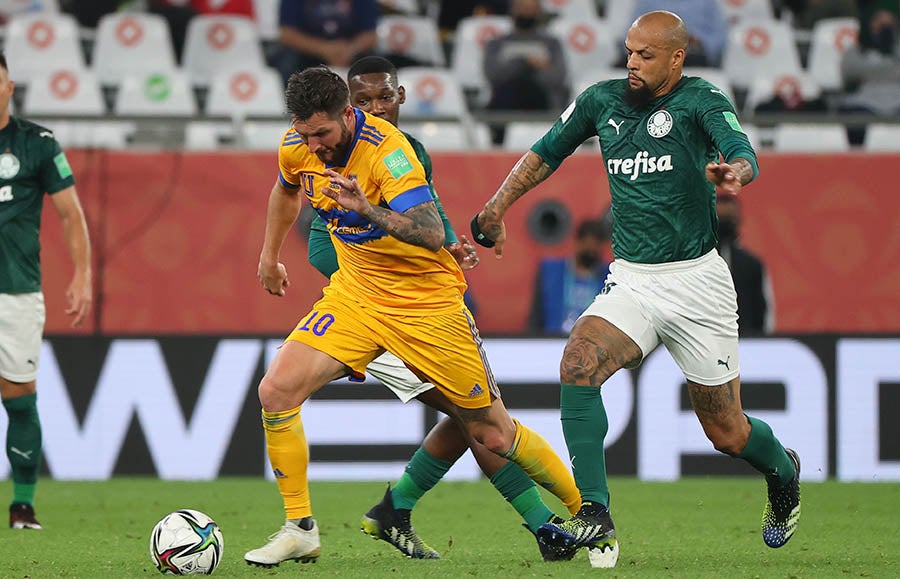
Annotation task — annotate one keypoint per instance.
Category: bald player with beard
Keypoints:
(668, 142)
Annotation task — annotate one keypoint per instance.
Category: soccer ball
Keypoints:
(186, 542)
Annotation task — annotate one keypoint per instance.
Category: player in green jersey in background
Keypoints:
(31, 164)
(375, 89)
(662, 135)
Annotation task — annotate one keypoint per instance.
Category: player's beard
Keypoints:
(638, 98)
(339, 152)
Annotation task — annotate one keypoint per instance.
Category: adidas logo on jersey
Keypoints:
(641, 163)
(278, 474)
(475, 391)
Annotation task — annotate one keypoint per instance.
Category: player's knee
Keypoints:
(730, 442)
(276, 395)
(493, 438)
(584, 363)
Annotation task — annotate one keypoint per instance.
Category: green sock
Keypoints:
(422, 472)
(585, 425)
(23, 445)
(765, 453)
(521, 492)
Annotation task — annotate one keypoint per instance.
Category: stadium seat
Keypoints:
(743, 10)
(619, 15)
(64, 92)
(165, 93)
(214, 43)
(714, 75)
(574, 9)
(831, 37)
(587, 43)
(472, 33)
(242, 92)
(131, 43)
(89, 134)
(790, 87)
(882, 138)
(266, 12)
(585, 78)
(11, 7)
(447, 136)
(262, 135)
(38, 43)
(415, 37)
(811, 138)
(431, 92)
(207, 135)
(757, 48)
(520, 135)
(410, 7)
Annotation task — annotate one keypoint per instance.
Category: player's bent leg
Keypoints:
(296, 372)
(392, 525)
(23, 449)
(734, 433)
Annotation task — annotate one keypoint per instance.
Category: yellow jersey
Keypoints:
(375, 269)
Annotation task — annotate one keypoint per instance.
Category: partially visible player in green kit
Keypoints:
(663, 137)
(31, 164)
(374, 88)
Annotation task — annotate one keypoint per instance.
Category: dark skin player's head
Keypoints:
(375, 89)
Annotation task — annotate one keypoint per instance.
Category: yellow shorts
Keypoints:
(443, 349)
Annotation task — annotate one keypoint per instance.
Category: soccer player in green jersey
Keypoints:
(662, 135)
(31, 164)
(374, 88)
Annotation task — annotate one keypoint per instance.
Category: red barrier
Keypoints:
(176, 240)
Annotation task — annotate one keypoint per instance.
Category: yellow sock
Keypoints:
(533, 453)
(289, 455)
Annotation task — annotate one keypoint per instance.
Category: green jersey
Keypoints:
(321, 248)
(31, 164)
(663, 206)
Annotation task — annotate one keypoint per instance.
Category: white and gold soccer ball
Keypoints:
(186, 542)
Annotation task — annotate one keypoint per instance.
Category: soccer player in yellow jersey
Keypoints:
(396, 289)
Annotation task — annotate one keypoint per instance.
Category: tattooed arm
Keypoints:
(730, 177)
(528, 173)
(420, 225)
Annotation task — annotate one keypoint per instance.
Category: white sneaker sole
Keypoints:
(604, 558)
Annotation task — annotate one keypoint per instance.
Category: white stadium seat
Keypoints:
(882, 138)
(130, 43)
(411, 36)
(520, 135)
(214, 43)
(803, 138)
(587, 43)
(444, 136)
(431, 92)
(164, 93)
(589, 77)
(37, 43)
(64, 92)
(742, 10)
(714, 75)
(760, 47)
(831, 37)
(262, 135)
(789, 87)
(249, 91)
(619, 16)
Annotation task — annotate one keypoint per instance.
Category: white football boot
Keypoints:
(290, 543)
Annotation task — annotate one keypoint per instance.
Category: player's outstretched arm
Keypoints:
(730, 177)
(420, 225)
(284, 206)
(488, 227)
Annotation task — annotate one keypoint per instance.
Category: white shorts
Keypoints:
(394, 374)
(690, 306)
(22, 319)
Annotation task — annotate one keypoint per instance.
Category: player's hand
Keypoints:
(346, 192)
(724, 176)
(273, 277)
(489, 230)
(464, 253)
(79, 298)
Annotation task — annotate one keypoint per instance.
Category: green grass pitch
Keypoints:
(693, 528)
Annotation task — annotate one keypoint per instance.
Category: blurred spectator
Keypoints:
(756, 306)
(705, 23)
(330, 32)
(526, 69)
(872, 68)
(452, 11)
(805, 13)
(565, 287)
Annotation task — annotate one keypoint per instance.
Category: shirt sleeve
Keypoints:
(288, 174)
(423, 156)
(55, 173)
(571, 129)
(400, 174)
(720, 122)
